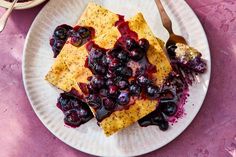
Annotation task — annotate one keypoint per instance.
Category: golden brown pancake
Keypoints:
(94, 16)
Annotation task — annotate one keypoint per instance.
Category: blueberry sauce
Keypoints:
(122, 75)
(121, 20)
(77, 36)
(75, 110)
(172, 97)
(114, 85)
(174, 93)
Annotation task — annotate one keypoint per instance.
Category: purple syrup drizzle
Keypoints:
(180, 111)
(120, 20)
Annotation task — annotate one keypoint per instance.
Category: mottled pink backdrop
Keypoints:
(212, 133)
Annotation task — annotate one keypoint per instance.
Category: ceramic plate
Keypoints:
(89, 138)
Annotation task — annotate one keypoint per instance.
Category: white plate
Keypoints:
(89, 138)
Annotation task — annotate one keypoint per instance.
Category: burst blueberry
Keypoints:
(135, 89)
(143, 80)
(114, 64)
(123, 84)
(94, 101)
(164, 125)
(123, 56)
(169, 108)
(108, 104)
(136, 54)
(144, 44)
(99, 69)
(131, 44)
(113, 90)
(124, 71)
(97, 82)
(84, 32)
(96, 54)
(72, 118)
(123, 98)
(153, 91)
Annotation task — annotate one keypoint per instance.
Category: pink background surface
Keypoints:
(212, 133)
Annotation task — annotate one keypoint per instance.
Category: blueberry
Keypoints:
(75, 38)
(99, 69)
(94, 101)
(144, 122)
(123, 84)
(135, 89)
(158, 118)
(104, 61)
(123, 56)
(123, 98)
(131, 44)
(110, 82)
(143, 80)
(58, 45)
(97, 82)
(76, 41)
(108, 104)
(60, 33)
(91, 89)
(124, 71)
(110, 74)
(82, 112)
(114, 51)
(84, 32)
(59, 38)
(171, 50)
(72, 118)
(136, 54)
(114, 64)
(109, 58)
(113, 90)
(144, 44)
(169, 108)
(70, 33)
(164, 125)
(128, 72)
(103, 92)
(67, 27)
(66, 102)
(153, 91)
(96, 54)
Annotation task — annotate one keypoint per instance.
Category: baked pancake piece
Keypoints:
(122, 118)
(94, 16)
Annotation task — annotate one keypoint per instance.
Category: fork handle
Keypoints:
(166, 22)
(3, 19)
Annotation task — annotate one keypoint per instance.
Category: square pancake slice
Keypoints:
(76, 60)
(94, 16)
(102, 20)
